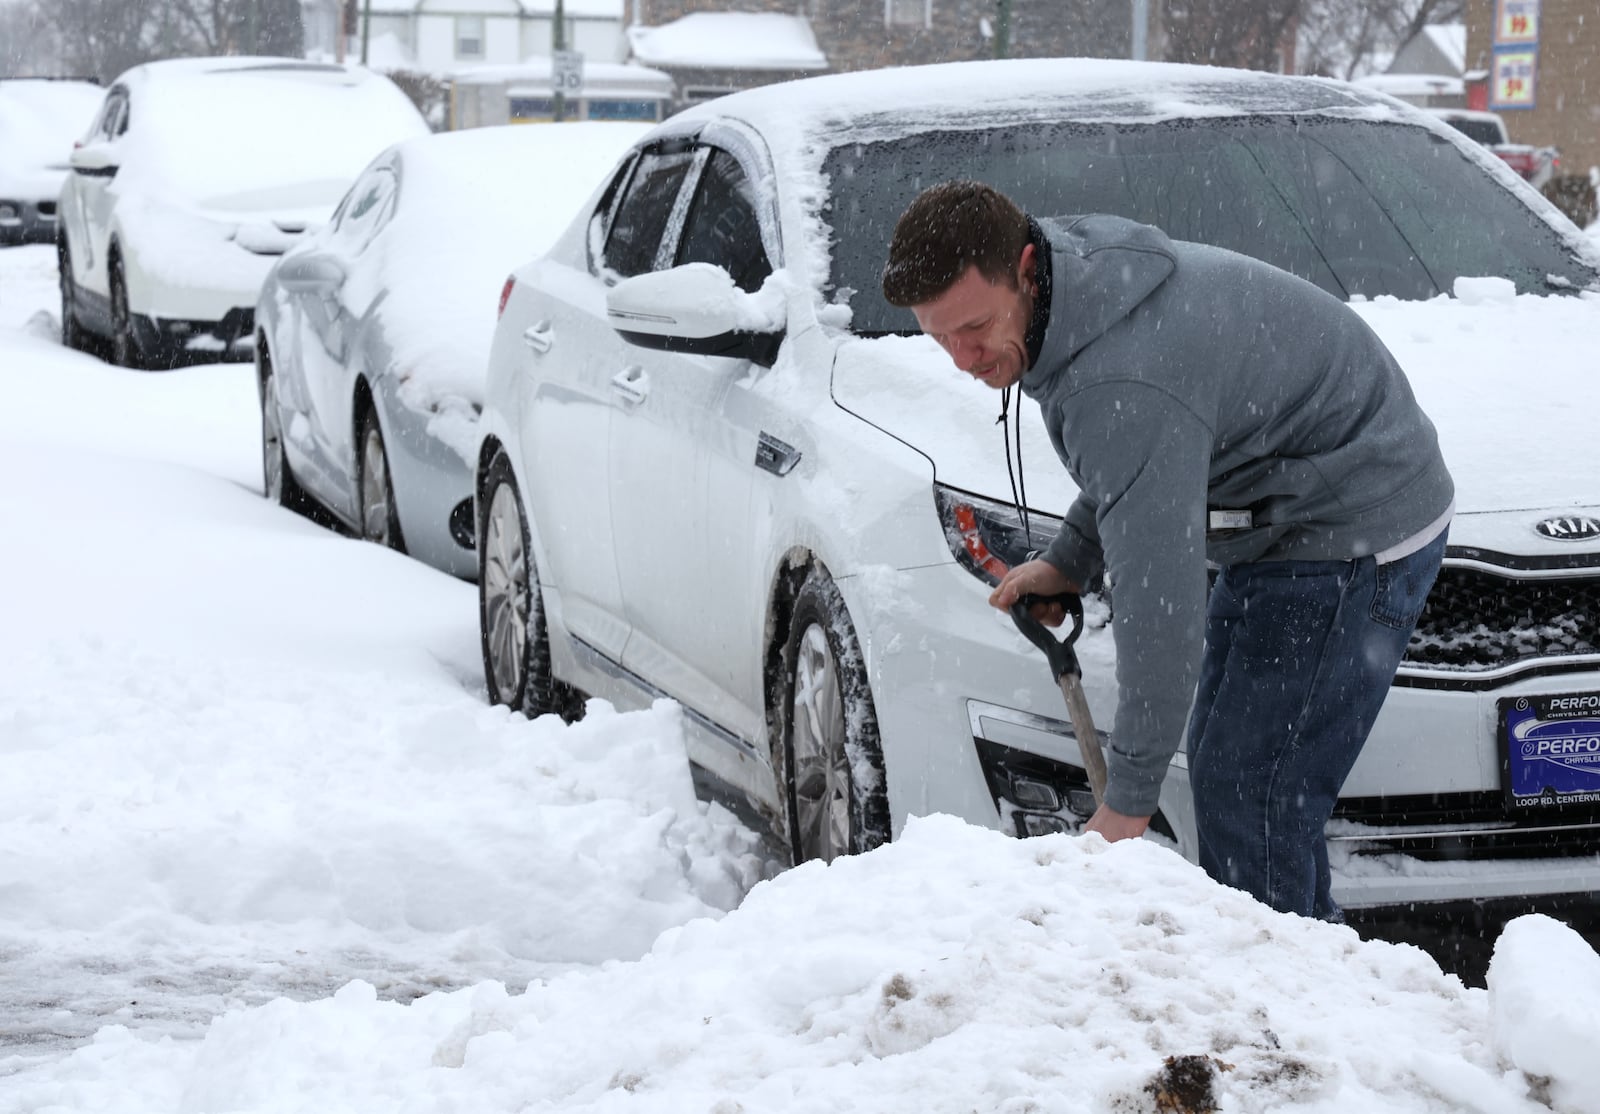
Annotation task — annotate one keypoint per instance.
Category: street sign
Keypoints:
(566, 73)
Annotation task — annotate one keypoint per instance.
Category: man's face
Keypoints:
(983, 324)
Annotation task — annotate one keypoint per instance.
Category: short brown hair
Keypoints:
(947, 228)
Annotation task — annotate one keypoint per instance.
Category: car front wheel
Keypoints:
(838, 804)
(125, 350)
(511, 623)
(379, 520)
(277, 481)
(71, 332)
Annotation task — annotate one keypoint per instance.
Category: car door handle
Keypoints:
(632, 384)
(539, 337)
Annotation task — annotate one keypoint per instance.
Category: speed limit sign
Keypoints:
(566, 72)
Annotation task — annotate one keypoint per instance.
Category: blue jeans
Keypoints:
(1299, 656)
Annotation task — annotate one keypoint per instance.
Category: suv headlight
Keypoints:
(987, 537)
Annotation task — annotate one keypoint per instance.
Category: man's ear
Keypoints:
(1027, 265)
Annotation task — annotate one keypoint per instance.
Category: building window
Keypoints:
(908, 13)
(469, 36)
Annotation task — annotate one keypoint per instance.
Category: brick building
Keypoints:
(1558, 99)
(869, 34)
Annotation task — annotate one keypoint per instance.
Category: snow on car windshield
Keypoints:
(240, 140)
(1359, 207)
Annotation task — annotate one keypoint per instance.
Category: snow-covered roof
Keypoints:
(730, 41)
(1413, 84)
(1450, 39)
(572, 9)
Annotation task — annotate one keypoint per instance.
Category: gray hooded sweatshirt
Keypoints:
(1177, 379)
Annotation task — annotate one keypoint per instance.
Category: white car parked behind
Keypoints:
(195, 176)
(39, 119)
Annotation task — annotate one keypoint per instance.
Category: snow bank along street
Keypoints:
(263, 847)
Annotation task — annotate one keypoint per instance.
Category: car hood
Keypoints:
(1509, 381)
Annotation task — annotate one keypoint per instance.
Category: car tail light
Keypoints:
(987, 537)
(505, 295)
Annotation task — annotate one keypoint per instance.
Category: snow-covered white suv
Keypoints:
(717, 466)
(194, 177)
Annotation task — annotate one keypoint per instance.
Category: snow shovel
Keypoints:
(1064, 667)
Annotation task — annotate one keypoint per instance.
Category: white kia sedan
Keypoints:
(718, 467)
(372, 333)
(194, 177)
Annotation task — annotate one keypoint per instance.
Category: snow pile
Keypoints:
(1544, 1000)
(246, 757)
(955, 970)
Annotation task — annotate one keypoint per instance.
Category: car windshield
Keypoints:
(1484, 131)
(1357, 207)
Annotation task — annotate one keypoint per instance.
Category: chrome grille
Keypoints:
(1450, 827)
(1476, 621)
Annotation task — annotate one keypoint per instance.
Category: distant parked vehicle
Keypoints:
(1537, 164)
(39, 120)
(196, 174)
(373, 333)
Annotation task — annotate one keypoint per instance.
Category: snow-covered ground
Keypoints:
(263, 847)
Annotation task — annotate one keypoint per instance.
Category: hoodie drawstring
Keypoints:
(1018, 480)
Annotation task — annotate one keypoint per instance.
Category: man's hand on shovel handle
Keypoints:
(1113, 825)
(1037, 577)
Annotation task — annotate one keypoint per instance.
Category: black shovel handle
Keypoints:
(1063, 658)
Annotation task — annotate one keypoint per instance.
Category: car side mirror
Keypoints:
(697, 308)
(95, 160)
(310, 274)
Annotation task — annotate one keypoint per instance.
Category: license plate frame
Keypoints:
(1550, 753)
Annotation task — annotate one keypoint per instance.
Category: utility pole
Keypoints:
(366, 29)
(1141, 29)
(558, 45)
(252, 27)
(1002, 29)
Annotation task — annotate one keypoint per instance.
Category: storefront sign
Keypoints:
(1516, 22)
(1511, 78)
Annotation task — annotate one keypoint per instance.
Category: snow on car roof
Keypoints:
(262, 64)
(243, 141)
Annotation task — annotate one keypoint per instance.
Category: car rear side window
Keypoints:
(723, 227)
(366, 209)
(645, 212)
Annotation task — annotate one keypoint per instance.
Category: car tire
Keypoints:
(832, 756)
(72, 333)
(277, 480)
(125, 349)
(375, 509)
(511, 622)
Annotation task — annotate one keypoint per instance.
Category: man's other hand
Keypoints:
(1039, 578)
(1113, 825)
